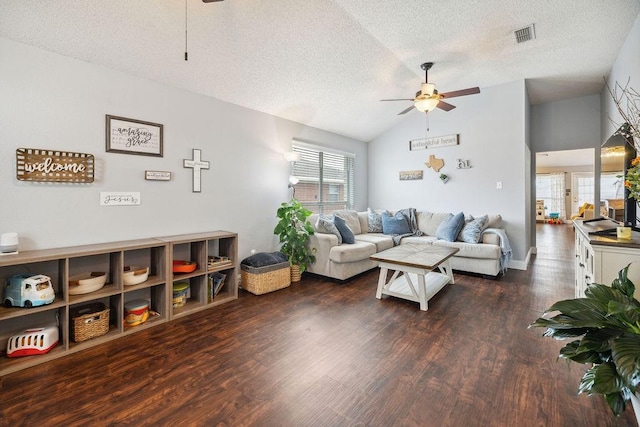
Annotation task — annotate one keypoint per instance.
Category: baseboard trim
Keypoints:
(523, 265)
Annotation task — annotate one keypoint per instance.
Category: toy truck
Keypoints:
(26, 290)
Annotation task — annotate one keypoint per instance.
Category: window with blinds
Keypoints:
(326, 179)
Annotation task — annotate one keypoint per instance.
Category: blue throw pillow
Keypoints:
(449, 228)
(396, 224)
(346, 233)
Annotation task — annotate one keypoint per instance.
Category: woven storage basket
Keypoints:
(89, 321)
(265, 279)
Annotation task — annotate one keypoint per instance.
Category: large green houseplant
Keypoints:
(607, 323)
(293, 230)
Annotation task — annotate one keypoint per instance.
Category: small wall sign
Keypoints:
(157, 175)
(463, 164)
(108, 198)
(34, 164)
(410, 175)
(435, 142)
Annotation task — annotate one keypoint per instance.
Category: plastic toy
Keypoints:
(33, 341)
(26, 290)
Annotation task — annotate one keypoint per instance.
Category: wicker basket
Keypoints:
(270, 278)
(89, 321)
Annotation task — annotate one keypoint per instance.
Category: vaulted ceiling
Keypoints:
(327, 63)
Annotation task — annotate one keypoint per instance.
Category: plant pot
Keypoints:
(295, 273)
(635, 402)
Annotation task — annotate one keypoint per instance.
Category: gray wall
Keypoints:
(492, 132)
(55, 102)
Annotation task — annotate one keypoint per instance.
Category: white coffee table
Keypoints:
(417, 264)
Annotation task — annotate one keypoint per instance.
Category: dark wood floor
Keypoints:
(321, 353)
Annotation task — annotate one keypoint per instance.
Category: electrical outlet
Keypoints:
(499, 185)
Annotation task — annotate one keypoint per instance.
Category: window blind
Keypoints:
(326, 179)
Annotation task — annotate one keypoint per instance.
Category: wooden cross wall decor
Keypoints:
(197, 165)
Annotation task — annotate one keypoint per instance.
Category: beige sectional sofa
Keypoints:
(342, 261)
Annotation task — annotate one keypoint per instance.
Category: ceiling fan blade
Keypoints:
(399, 99)
(445, 106)
(406, 110)
(461, 92)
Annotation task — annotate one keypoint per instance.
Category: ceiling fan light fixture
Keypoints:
(428, 89)
(426, 104)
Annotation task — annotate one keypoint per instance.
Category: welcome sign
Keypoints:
(39, 165)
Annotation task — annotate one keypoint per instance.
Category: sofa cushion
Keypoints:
(381, 241)
(472, 229)
(345, 230)
(471, 250)
(396, 224)
(449, 228)
(325, 225)
(374, 221)
(351, 218)
(428, 222)
(351, 253)
(422, 240)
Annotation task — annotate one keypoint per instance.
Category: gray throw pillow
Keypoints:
(325, 225)
(347, 235)
(449, 228)
(375, 221)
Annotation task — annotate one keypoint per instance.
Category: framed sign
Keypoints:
(435, 142)
(33, 164)
(129, 136)
(410, 175)
(127, 198)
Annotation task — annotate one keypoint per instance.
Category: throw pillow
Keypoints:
(325, 225)
(347, 235)
(375, 220)
(449, 228)
(472, 230)
(396, 224)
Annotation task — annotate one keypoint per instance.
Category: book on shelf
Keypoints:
(218, 261)
(215, 283)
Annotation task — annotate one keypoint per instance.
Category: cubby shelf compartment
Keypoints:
(111, 258)
(198, 247)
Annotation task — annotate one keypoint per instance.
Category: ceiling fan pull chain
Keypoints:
(186, 37)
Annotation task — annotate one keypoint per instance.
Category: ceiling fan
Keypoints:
(428, 98)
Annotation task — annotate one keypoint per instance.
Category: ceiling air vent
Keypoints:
(525, 34)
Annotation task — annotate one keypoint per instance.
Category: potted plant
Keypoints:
(293, 230)
(607, 324)
(444, 178)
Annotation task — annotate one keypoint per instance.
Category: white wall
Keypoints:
(566, 125)
(492, 131)
(626, 67)
(55, 102)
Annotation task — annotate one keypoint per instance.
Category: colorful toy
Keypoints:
(184, 266)
(33, 341)
(26, 290)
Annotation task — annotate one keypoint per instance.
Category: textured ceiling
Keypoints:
(326, 63)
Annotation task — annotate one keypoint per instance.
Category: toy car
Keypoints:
(26, 290)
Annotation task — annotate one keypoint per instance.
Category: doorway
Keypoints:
(566, 179)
